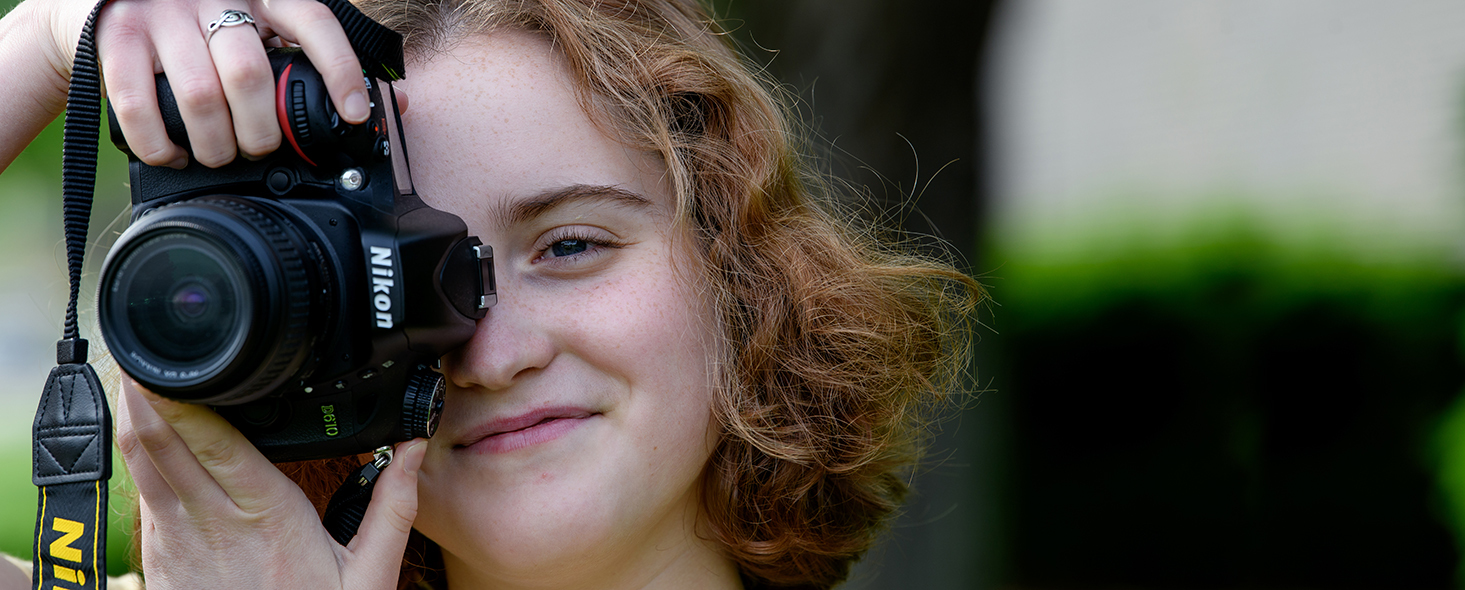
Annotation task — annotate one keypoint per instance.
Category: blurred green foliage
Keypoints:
(1450, 449)
(1226, 411)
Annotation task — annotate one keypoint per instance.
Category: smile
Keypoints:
(511, 434)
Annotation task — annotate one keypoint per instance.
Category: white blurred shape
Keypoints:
(1340, 115)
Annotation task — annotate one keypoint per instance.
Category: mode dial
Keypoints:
(422, 403)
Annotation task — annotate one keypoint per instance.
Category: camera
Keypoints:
(306, 296)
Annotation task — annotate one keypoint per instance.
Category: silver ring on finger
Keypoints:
(228, 18)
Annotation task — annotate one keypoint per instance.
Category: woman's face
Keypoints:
(578, 419)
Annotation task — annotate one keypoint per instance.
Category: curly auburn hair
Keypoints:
(839, 344)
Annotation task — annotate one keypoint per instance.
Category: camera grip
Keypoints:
(172, 119)
(318, 115)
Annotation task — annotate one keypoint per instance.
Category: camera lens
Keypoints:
(209, 300)
(187, 302)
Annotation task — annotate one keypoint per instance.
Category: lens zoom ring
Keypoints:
(296, 320)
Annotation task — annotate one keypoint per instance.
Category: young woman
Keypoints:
(697, 375)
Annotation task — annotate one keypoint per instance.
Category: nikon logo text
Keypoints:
(381, 285)
(61, 549)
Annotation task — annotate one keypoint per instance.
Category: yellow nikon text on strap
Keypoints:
(61, 549)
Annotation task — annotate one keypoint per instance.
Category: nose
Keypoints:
(507, 347)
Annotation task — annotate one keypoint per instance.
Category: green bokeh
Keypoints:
(1229, 409)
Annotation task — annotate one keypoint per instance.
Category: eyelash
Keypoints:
(596, 245)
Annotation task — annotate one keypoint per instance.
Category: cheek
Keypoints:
(645, 307)
(652, 331)
(646, 336)
(655, 336)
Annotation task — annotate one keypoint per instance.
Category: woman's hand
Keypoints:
(217, 514)
(223, 83)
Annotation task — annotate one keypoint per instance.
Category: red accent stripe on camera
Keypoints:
(282, 110)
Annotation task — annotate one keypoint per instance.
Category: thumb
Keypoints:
(401, 98)
(382, 538)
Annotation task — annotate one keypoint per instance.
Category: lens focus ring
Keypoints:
(295, 309)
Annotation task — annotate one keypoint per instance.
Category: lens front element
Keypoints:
(188, 303)
(191, 301)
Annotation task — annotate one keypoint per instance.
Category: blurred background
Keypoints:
(1224, 244)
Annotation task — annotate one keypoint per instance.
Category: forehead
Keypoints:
(497, 116)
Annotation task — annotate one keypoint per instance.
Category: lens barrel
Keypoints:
(208, 300)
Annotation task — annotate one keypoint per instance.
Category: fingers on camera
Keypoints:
(223, 85)
(315, 28)
(144, 475)
(198, 93)
(248, 84)
(215, 457)
(161, 464)
(392, 511)
(134, 99)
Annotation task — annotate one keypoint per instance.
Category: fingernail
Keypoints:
(165, 408)
(179, 164)
(411, 459)
(357, 109)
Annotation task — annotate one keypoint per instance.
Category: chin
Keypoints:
(525, 536)
(559, 527)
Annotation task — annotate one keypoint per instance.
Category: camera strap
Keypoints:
(71, 438)
(378, 47)
(71, 448)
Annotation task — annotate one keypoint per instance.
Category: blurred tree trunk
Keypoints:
(892, 90)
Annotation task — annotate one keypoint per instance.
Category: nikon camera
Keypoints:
(307, 296)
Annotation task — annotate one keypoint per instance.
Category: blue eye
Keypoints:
(573, 247)
(568, 247)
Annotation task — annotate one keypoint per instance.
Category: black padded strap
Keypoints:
(73, 429)
(71, 456)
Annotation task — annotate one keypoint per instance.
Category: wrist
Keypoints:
(63, 21)
(37, 72)
(31, 52)
(55, 27)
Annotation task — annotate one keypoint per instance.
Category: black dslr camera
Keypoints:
(307, 296)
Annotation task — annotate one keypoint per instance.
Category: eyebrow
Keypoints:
(517, 212)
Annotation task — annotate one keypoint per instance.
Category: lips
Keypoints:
(516, 432)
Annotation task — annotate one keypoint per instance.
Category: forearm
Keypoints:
(13, 576)
(35, 91)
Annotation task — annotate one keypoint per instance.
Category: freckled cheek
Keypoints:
(665, 355)
(651, 320)
(644, 330)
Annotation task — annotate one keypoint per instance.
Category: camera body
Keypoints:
(306, 296)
